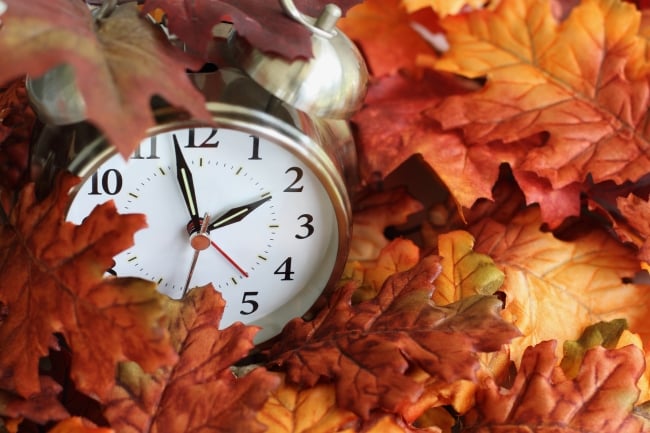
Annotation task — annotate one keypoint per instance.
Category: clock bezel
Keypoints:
(318, 156)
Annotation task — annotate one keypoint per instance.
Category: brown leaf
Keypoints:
(636, 229)
(16, 123)
(366, 349)
(200, 391)
(40, 408)
(599, 399)
(261, 22)
(117, 62)
(53, 283)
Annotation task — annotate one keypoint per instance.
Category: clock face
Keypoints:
(224, 207)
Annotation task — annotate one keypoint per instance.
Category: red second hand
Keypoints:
(230, 260)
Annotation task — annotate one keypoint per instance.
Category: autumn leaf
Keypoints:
(386, 33)
(40, 408)
(16, 123)
(78, 425)
(199, 390)
(464, 272)
(636, 212)
(599, 399)
(367, 348)
(556, 288)
(56, 268)
(262, 23)
(443, 7)
(113, 60)
(580, 81)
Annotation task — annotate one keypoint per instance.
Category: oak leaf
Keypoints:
(580, 80)
(386, 34)
(53, 284)
(117, 62)
(262, 23)
(367, 348)
(599, 399)
(556, 288)
(199, 391)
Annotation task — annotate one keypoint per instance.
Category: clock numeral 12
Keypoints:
(252, 303)
(191, 139)
(111, 183)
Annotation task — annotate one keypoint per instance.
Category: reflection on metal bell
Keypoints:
(331, 84)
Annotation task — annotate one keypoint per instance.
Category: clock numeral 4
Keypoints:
(110, 182)
(298, 173)
(285, 270)
(252, 304)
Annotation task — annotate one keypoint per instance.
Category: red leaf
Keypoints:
(41, 407)
(53, 283)
(367, 348)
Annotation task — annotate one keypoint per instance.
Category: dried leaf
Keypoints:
(40, 408)
(579, 80)
(636, 212)
(200, 390)
(443, 7)
(385, 32)
(55, 268)
(366, 349)
(464, 272)
(556, 288)
(16, 123)
(599, 399)
(116, 62)
(78, 425)
(261, 22)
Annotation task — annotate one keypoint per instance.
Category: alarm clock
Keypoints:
(256, 202)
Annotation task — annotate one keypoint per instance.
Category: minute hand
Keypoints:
(237, 214)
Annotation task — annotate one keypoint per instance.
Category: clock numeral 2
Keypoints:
(110, 183)
(285, 270)
(191, 139)
(298, 176)
(252, 304)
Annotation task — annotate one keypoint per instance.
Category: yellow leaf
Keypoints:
(464, 271)
(556, 288)
(78, 425)
(442, 7)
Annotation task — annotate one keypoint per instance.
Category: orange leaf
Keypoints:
(580, 80)
(599, 399)
(78, 425)
(200, 390)
(636, 212)
(443, 7)
(384, 31)
(53, 283)
(114, 62)
(368, 348)
(556, 288)
(40, 408)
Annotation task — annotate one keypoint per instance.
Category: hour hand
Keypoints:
(186, 183)
(237, 214)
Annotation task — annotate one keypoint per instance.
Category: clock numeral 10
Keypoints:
(110, 182)
(252, 304)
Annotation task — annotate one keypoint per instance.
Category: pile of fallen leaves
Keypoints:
(497, 276)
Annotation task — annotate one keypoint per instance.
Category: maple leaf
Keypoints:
(199, 391)
(385, 32)
(78, 425)
(367, 348)
(556, 288)
(16, 123)
(114, 62)
(262, 23)
(599, 399)
(443, 7)
(56, 268)
(580, 80)
(636, 212)
(41, 407)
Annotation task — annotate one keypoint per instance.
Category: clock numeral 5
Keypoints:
(252, 304)
(285, 270)
(298, 173)
(110, 183)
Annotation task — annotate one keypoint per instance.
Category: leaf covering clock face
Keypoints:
(225, 207)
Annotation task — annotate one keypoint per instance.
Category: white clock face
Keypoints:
(270, 238)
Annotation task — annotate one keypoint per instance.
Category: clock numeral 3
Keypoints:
(298, 176)
(307, 225)
(110, 183)
(252, 304)
(285, 270)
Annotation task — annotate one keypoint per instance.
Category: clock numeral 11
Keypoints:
(153, 150)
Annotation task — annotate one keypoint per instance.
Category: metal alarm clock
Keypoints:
(257, 203)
